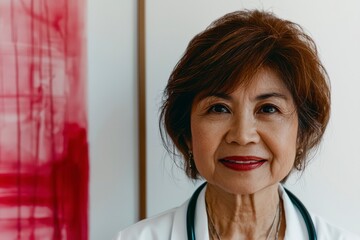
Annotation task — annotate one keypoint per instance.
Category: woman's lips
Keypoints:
(242, 163)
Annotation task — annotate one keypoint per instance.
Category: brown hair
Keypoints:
(230, 51)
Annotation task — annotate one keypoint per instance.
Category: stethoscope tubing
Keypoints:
(190, 214)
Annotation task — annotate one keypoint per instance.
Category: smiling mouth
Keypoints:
(239, 162)
(242, 163)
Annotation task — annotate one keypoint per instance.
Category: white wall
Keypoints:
(112, 116)
(330, 187)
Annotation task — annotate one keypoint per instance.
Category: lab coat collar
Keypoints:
(295, 224)
(179, 231)
(201, 226)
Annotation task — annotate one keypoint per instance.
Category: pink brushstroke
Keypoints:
(43, 124)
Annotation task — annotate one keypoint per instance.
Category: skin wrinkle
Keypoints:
(242, 214)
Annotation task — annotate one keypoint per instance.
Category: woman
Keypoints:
(245, 106)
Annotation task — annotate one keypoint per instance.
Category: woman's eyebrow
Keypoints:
(220, 95)
(258, 98)
(271, 95)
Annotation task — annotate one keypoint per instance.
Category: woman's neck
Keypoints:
(242, 216)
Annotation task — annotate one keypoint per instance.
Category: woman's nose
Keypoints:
(243, 130)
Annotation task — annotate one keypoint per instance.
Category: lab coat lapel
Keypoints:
(295, 225)
(201, 221)
(179, 231)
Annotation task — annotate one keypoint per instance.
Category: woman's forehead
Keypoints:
(264, 80)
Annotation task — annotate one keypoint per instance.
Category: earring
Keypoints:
(298, 162)
(190, 159)
(300, 151)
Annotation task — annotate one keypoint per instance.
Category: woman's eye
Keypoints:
(219, 108)
(268, 109)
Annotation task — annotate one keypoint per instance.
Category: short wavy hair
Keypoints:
(229, 52)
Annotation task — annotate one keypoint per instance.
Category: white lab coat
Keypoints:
(172, 224)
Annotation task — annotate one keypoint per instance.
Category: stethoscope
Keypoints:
(190, 214)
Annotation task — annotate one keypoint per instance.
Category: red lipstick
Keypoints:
(242, 163)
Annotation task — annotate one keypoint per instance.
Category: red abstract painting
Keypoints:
(43, 123)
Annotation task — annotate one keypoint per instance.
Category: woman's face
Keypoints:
(245, 141)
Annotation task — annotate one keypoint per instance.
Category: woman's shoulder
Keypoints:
(326, 230)
(158, 227)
